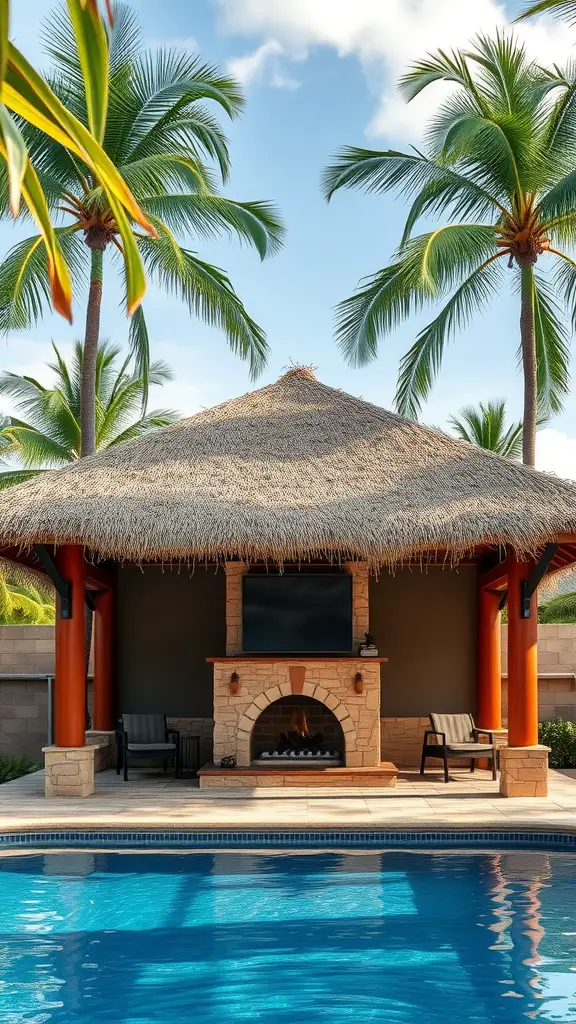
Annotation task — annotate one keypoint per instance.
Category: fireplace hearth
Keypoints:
(298, 731)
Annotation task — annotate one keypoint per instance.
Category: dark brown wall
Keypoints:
(425, 623)
(169, 622)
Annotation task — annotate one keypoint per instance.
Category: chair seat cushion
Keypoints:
(469, 748)
(162, 748)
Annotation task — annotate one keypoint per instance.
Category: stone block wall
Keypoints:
(401, 740)
(26, 649)
(23, 717)
(556, 648)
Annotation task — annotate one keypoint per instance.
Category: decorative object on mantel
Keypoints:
(368, 649)
(228, 762)
(358, 682)
(234, 683)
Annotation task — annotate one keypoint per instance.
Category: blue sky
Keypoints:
(317, 74)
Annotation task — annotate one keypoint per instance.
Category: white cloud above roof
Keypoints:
(384, 35)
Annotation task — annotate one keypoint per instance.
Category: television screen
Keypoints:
(297, 614)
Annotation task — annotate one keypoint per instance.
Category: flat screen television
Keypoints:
(297, 614)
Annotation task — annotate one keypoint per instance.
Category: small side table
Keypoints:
(189, 756)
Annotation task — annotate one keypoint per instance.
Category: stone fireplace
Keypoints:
(256, 698)
(261, 682)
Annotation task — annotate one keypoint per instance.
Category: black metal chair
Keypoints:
(457, 736)
(146, 737)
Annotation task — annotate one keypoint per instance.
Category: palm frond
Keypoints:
(25, 293)
(425, 267)
(565, 9)
(408, 174)
(565, 285)
(560, 200)
(420, 365)
(11, 477)
(208, 293)
(167, 84)
(485, 426)
(154, 420)
(35, 449)
(552, 350)
(139, 346)
(440, 67)
(207, 216)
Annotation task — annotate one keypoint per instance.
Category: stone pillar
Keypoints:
(69, 771)
(234, 574)
(360, 600)
(524, 771)
(489, 697)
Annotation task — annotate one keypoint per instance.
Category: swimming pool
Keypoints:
(285, 937)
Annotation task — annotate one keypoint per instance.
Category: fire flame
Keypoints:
(298, 723)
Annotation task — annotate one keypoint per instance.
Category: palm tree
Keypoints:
(157, 131)
(486, 427)
(48, 435)
(500, 164)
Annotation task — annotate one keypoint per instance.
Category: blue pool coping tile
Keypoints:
(278, 839)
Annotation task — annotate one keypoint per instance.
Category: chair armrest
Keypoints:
(434, 732)
(483, 732)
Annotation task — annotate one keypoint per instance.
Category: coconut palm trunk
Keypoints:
(529, 365)
(91, 338)
(88, 397)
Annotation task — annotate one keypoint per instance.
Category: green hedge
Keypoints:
(560, 735)
(14, 767)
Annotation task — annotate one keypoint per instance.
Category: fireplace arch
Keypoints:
(293, 724)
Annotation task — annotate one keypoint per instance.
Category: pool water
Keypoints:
(288, 938)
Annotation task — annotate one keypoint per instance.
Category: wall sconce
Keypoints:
(358, 682)
(234, 683)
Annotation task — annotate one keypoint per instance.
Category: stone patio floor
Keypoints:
(151, 800)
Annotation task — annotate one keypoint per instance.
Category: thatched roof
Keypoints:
(294, 470)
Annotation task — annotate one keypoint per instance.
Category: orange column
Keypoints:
(489, 710)
(104, 661)
(522, 661)
(70, 675)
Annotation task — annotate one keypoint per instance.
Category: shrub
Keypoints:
(560, 735)
(14, 767)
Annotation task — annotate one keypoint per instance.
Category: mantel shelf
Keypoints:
(298, 657)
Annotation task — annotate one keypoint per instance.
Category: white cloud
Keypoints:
(263, 65)
(556, 452)
(385, 36)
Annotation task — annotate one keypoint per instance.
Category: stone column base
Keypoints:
(103, 743)
(69, 771)
(524, 771)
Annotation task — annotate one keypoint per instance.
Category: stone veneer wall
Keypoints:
(331, 682)
(360, 601)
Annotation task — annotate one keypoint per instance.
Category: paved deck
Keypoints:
(156, 800)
